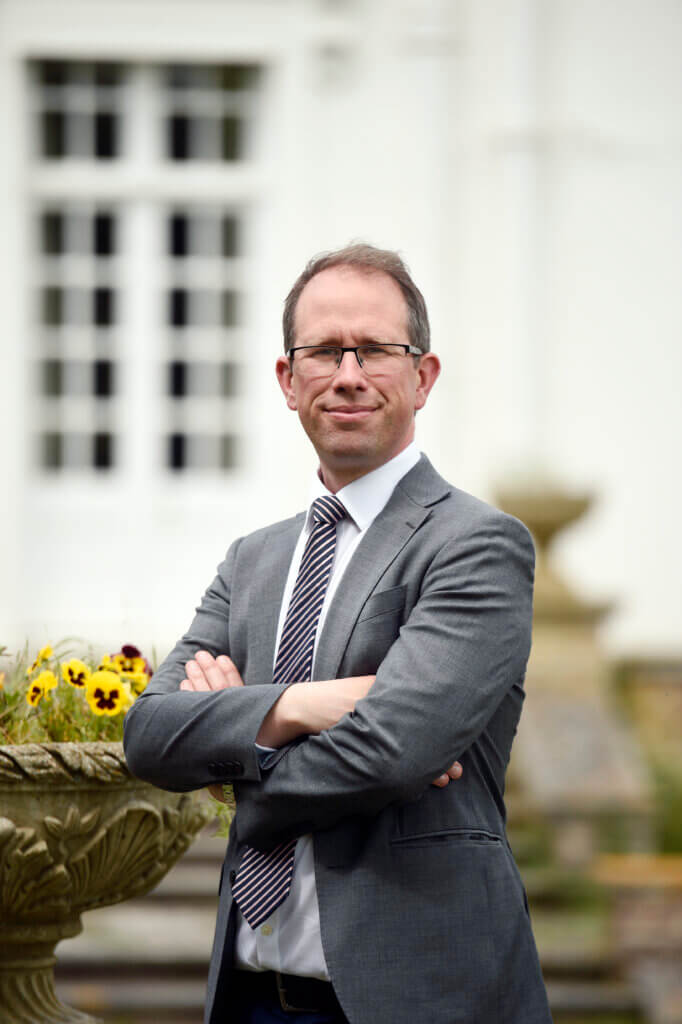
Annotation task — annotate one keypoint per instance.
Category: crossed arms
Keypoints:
(303, 709)
(463, 648)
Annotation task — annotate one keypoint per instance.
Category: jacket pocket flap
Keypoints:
(382, 602)
(463, 835)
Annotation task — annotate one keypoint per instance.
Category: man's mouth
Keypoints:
(349, 413)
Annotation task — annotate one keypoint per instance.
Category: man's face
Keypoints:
(355, 422)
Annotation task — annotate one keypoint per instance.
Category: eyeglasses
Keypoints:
(376, 360)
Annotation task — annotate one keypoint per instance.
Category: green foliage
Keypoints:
(668, 816)
(224, 812)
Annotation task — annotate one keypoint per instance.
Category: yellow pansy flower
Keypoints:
(43, 654)
(76, 673)
(40, 686)
(138, 680)
(47, 679)
(35, 694)
(107, 693)
(130, 665)
(108, 664)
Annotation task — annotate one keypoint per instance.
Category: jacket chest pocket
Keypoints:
(375, 631)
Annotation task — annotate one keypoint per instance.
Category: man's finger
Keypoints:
(218, 674)
(194, 673)
(454, 772)
(197, 678)
(211, 671)
(230, 670)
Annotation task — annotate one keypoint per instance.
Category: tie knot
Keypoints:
(328, 510)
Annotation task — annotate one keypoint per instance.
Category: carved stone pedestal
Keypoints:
(77, 831)
(576, 761)
(26, 975)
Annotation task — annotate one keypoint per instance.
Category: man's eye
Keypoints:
(374, 351)
(325, 354)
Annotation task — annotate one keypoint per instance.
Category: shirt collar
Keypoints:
(365, 497)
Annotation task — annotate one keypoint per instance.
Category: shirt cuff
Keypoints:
(263, 753)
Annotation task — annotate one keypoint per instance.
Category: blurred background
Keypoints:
(166, 170)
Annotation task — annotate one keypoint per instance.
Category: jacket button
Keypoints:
(233, 875)
(225, 768)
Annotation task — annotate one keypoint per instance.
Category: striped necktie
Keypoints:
(264, 879)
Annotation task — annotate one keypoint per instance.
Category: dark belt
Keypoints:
(292, 992)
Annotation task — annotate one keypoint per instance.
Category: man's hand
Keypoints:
(454, 772)
(208, 673)
(303, 709)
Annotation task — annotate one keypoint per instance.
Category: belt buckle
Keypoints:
(284, 1003)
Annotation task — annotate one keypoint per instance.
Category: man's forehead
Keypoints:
(345, 274)
(351, 291)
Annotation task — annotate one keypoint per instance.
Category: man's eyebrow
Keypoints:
(337, 343)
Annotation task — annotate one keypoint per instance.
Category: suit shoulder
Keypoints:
(294, 524)
(462, 513)
(454, 512)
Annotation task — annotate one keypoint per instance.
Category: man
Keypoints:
(360, 883)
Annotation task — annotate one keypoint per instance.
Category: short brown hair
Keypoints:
(369, 259)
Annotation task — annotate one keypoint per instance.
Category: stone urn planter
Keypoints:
(77, 831)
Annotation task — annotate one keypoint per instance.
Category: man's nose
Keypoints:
(349, 373)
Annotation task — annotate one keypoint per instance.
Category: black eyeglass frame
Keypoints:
(409, 350)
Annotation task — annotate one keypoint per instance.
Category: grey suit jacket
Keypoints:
(422, 910)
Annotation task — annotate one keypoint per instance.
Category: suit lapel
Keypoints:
(404, 513)
(266, 596)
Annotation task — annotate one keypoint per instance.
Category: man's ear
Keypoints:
(286, 381)
(427, 374)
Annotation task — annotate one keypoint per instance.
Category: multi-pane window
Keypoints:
(78, 344)
(80, 109)
(184, 116)
(209, 111)
(202, 303)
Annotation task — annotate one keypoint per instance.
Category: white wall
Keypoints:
(524, 157)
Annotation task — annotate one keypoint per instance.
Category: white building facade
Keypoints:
(168, 168)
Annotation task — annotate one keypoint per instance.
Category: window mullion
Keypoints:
(140, 344)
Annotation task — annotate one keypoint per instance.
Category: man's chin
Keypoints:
(347, 460)
(352, 445)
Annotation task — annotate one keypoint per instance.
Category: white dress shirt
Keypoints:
(290, 940)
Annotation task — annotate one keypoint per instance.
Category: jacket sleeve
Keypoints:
(182, 740)
(464, 646)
